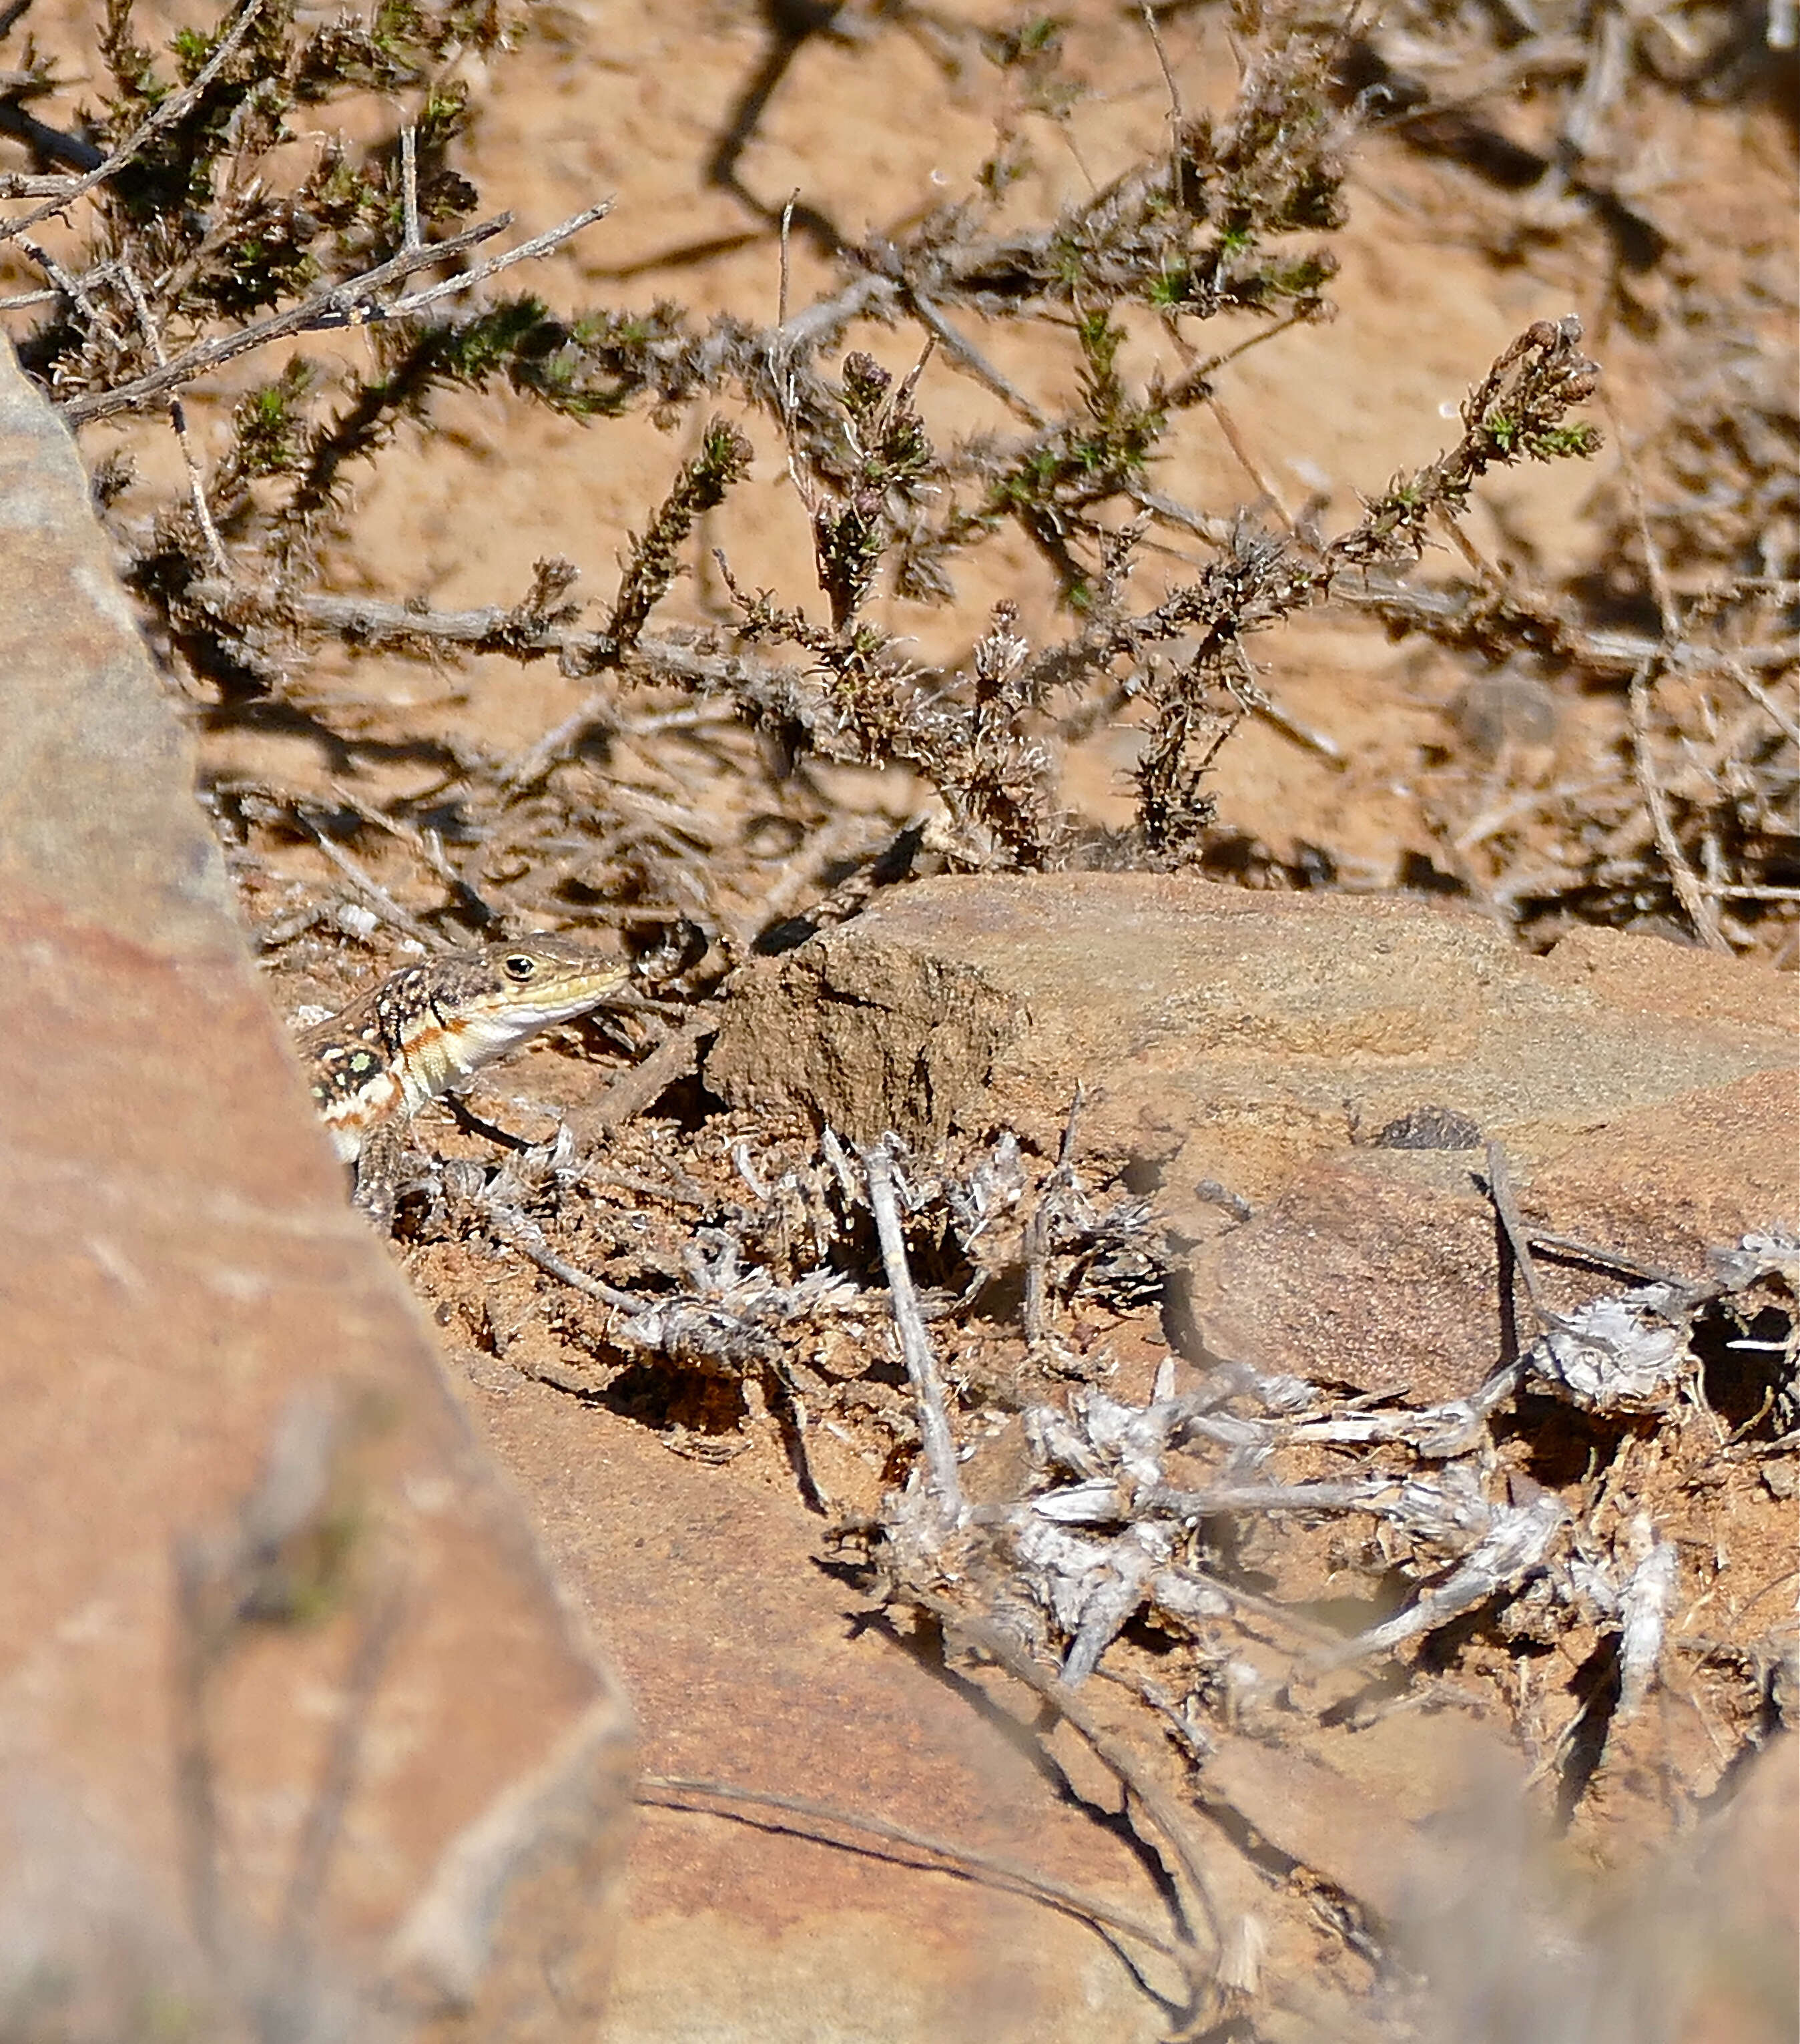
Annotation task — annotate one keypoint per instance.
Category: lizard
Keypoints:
(426, 1029)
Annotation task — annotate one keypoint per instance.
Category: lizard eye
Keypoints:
(520, 965)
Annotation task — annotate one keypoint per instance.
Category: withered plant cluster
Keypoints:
(1151, 1569)
(1687, 612)
(208, 206)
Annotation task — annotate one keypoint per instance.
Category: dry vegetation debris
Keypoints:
(220, 212)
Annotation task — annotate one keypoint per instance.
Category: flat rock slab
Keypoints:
(348, 1727)
(1310, 1081)
(750, 1662)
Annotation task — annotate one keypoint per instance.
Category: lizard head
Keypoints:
(512, 989)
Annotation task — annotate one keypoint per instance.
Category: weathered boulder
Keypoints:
(289, 1710)
(1310, 1081)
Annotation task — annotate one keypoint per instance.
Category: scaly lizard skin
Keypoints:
(428, 1027)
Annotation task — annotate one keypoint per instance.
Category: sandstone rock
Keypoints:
(748, 1662)
(1283, 1056)
(365, 1753)
(1749, 1874)
(1392, 1820)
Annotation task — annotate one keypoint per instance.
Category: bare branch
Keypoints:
(1701, 913)
(540, 244)
(1164, 1814)
(915, 1344)
(822, 1821)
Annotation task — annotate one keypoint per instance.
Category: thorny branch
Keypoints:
(346, 304)
(164, 115)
